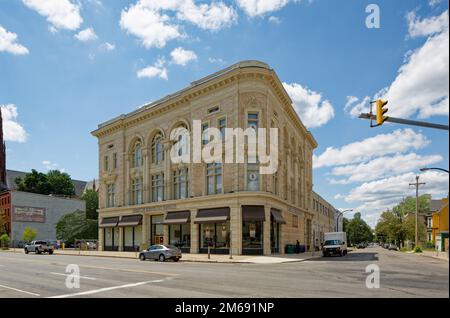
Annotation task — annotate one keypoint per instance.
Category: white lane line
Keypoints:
(101, 290)
(61, 274)
(19, 290)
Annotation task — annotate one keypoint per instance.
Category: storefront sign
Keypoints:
(156, 208)
(29, 214)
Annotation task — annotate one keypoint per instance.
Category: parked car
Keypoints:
(55, 244)
(38, 247)
(161, 253)
(361, 245)
(392, 247)
(386, 246)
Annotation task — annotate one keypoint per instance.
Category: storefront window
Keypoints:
(180, 235)
(157, 229)
(215, 235)
(252, 235)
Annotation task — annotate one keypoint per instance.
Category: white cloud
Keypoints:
(12, 130)
(149, 22)
(309, 105)
(275, 20)
(213, 17)
(389, 191)
(181, 56)
(421, 85)
(399, 141)
(255, 8)
(61, 14)
(383, 167)
(213, 60)
(8, 43)
(428, 26)
(434, 3)
(108, 46)
(52, 165)
(156, 70)
(86, 35)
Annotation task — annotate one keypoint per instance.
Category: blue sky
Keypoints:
(68, 65)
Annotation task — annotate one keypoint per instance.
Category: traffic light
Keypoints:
(381, 110)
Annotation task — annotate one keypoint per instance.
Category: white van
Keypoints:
(335, 244)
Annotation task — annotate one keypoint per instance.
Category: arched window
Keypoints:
(136, 155)
(157, 149)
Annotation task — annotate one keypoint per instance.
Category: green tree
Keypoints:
(2, 222)
(35, 182)
(54, 182)
(91, 198)
(75, 225)
(398, 224)
(29, 234)
(4, 240)
(345, 222)
(358, 230)
(60, 183)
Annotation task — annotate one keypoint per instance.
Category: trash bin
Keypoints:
(289, 249)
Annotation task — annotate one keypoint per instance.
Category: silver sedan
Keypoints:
(161, 253)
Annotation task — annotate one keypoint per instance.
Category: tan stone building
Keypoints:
(146, 199)
(324, 219)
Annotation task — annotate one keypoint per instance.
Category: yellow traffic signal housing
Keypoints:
(381, 110)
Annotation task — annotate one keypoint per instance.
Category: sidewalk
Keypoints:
(215, 258)
(440, 255)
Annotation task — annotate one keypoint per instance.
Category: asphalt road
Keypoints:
(401, 275)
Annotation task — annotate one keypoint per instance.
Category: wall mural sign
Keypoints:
(28, 214)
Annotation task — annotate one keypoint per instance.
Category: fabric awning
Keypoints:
(130, 220)
(181, 217)
(109, 222)
(277, 217)
(218, 215)
(253, 213)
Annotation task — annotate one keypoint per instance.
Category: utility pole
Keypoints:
(417, 184)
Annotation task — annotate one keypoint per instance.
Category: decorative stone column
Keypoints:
(146, 175)
(101, 242)
(120, 229)
(145, 230)
(195, 248)
(166, 234)
(266, 232)
(236, 229)
(167, 169)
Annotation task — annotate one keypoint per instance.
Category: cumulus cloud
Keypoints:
(393, 189)
(52, 165)
(428, 26)
(383, 167)
(86, 35)
(313, 110)
(8, 43)
(61, 14)
(156, 70)
(151, 23)
(214, 60)
(181, 56)
(255, 8)
(12, 130)
(399, 141)
(421, 85)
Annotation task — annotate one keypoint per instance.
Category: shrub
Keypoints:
(430, 245)
(4, 240)
(418, 249)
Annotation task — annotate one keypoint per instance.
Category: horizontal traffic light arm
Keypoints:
(406, 121)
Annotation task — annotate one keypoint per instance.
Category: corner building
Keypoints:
(146, 199)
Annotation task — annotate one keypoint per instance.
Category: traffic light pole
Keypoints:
(405, 122)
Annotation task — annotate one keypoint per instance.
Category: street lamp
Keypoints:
(339, 215)
(440, 169)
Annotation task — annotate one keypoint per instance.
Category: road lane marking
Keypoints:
(61, 274)
(101, 267)
(106, 289)
(19, 290)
